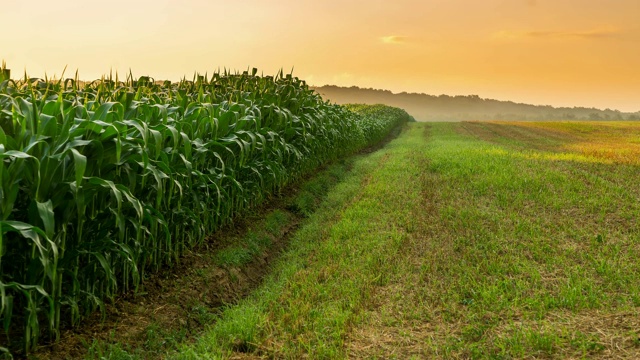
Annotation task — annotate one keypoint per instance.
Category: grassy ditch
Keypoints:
(337, 260)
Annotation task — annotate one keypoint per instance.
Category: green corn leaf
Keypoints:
(80, 165)
(45, 210)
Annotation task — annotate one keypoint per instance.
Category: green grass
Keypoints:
(248, 247)
(518, 256)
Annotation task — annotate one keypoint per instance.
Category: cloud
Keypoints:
(598, 33)
(394, 39)
(532, 3)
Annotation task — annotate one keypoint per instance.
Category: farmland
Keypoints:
(465, 240)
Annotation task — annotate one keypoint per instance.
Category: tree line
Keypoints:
(424, 107)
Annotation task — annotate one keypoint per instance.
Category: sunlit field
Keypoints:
(280, 180)
(602, 141)
(464, 240)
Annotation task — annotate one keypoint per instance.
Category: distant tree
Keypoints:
(595, 116)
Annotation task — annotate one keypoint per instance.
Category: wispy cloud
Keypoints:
(394, 39)
(598, 33)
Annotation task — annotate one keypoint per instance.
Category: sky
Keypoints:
(555, 52)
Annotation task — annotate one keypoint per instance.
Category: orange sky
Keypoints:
(558, 52)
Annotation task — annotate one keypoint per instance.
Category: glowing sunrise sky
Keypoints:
(558, 52)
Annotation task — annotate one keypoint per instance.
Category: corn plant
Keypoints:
(103, 182)
(5, 74)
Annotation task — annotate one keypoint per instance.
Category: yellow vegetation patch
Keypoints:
(611, 141)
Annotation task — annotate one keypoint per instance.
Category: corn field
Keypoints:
(104, 182)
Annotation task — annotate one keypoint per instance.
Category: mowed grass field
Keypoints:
(459, 240)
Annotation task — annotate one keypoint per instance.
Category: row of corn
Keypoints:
(104, 182)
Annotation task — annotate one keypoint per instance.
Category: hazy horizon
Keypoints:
(479, 95)
(560, 53)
